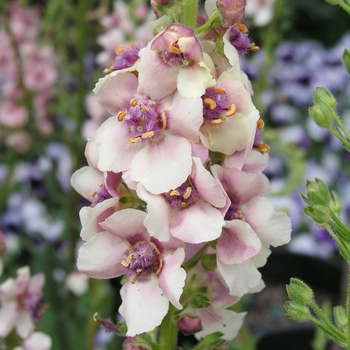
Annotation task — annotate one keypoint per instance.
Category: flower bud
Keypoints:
(297, 312)
(299, 292)
(319, 213)
(322, 115)
(189, 324)
(324, 96)
(128, 344)
(341, 318)
(107, 325)
(318, 192)
(335, 205)
(231, 11)
(239, 40)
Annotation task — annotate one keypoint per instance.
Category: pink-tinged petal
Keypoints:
(127, 179)
(271, 226)
(172, 276)
(237, 243)
(200, 151)
(157, 79)
(239, 185)
(8, 318)
(236, 93)
(112, 182)
(101, 256)
(36, 283)
(25, 324)
(193, 80)
(232, 55)
(8, 289)
(198, 223)
(207, 186)
(186, 117)
(115, 151)
(260, 259)
(23, 279)
(240, 278)
(91, 218)
(144, 305)
(86, 180)
(256, 162)
(115, 91)
(163, 165)
(231, 136)
(38, 341)
(157, 219)
(91, 153)
(125, 223)
(220, 320)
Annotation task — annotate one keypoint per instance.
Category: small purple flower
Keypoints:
(240, 40)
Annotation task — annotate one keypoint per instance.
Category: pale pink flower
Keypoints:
(12, 115)
(176, 54)
(19, 140)
(188, 212)
(21, 302)
(261, 11)
(77, 283)
(152, 269)
(151, 138)
(36, 341)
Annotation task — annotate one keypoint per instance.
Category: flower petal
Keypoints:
(25, 324)
(8, 318)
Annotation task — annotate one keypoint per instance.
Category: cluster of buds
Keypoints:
(174, 177)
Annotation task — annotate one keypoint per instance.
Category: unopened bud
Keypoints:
(319, 213)
(297, 312)
(341, 318)
(299, 292)
(130, 344)
(107, 325)
(189, 324)
(322, 115)
(231, 11)
(318, 192)
(324, 96)
(335, 204)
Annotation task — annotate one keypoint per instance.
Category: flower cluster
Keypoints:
(175, 182)
(28, 72)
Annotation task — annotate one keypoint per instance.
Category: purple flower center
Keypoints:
(100, 195)
(239, 40)
(32, 302)
(142, 260)
(143, 120)
(216, 106)
(174, 56)
(183, 196)
(126, 57)
(234, 213)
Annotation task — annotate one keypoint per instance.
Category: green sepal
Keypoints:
(209, 262)
(199, 301)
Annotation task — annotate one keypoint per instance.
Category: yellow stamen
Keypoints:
(138, 271)
(231, 110)
(107, 70)
(216, 122)
(94, 194)
(120, 116)
(219, 91)
(143, 107)
(242, 28)
(100, 185)
(210, 103)
(174, 50)
(174, 193)
(183, 204)
(187, 192)
(133, 102)
(260, 124)
(254, 48)
(147, 134)
(128, 260)
(135, 139)
(164, 123)
(263, 148)
(119, 49)
(132, 45)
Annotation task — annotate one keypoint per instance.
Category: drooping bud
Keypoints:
(322, 115)
(231, 11)
(299, 292)
(189, 324)
(107, 325)
(318, 192)
(324, 96)
(319, 213)
(335, 204)
(341, 318)
(297, 312)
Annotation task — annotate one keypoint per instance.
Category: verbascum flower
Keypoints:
(152, 269)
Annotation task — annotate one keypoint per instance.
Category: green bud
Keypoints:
(209, 262)
(297, 312)
(299, 291)
(324, 96)
(319, 213)
(199, 301)
(335, 205)
(341, 318)
(322, 115)
(346, 60)
(318, 192)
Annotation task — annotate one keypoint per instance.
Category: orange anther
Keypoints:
(133, 102)
(216, 121)
(231, 110)
(263, 148)
(260, 124)
(119, 49)
(147, 134)
(120, 116)
(187, 192)
(135, 139)
(132, 45)
(164, 123)
(210, 103)
(242, 28)
(107, 70)
(174, 193)
(143, 107)
(219, 91)
(174, 50)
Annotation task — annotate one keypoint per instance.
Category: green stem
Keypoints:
(337, 134)
(344, 6)
(168, 330)
(343, 247)
(189, 13)
(341, 126)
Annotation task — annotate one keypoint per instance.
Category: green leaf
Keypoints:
(346, 60)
